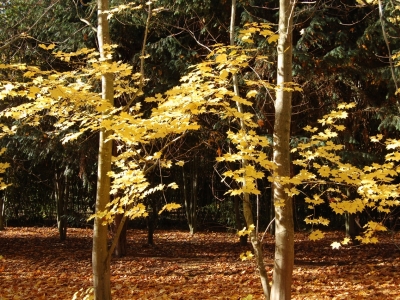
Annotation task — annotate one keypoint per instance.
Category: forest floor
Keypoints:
(36, 265)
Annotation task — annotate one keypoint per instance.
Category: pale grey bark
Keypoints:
(100, 261)
(284, 227)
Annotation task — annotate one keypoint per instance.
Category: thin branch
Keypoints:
(25, 34)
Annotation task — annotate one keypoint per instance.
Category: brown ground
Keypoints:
(36, 265)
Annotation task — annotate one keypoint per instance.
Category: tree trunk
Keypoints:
(61, 196)
(100, 261)
(120, 248)
(284, 225)
(121, 242)
(2, 211)
(248, 214)
(151, 221)
(190, 190)
(238, 221)
(351, 226)
(352, 229)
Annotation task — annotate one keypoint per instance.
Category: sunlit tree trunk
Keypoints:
(284, 227)
(100, 262)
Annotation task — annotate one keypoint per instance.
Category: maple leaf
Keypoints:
(335, 245)
(272, 38)
(251, 93)
(345, 241)
(316, 235)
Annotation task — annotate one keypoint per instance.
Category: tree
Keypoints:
(3, 186)
(247, 209)
(100, 257)
(284, 228)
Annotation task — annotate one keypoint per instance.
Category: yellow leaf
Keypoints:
(49, 47)
(251, 93)
(173, 185)
(335, 245)
(345, 241)
(223, 74)
(316, 235)
(273, 38)
(180, 163)
(169, 207)
(221, 58)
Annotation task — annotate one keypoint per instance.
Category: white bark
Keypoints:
(284, 228)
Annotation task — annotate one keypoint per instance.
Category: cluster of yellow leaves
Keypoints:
(246, 256)
(370, 228)
(3, 168)
(245, 231)
(322, 165)
(264, 29)
(73, 99)
(367, 2)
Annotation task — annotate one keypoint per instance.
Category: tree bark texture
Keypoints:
(284, 225)
(100, 262)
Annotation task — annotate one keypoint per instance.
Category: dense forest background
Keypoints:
(340, 54)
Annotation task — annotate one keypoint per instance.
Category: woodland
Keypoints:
(199, 149)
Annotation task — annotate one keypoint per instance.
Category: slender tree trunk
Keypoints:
(248, 214)
(121, 245)
(151, 221)
(284, 227)
(238, 220)
(100, 261)
(352, 229)
(120, 248)
(2, 211)
(61, 201)
(190, 190)
(272, 211)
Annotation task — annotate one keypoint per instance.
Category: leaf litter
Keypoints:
(207, 265)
